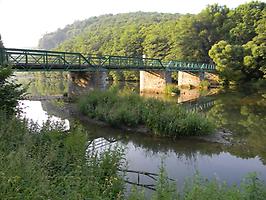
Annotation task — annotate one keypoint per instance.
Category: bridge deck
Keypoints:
(30, 60)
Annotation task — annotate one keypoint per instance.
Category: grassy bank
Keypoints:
(162, 118)
(52, 164)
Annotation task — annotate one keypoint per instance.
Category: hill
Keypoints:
(234, 39)
(102, 29)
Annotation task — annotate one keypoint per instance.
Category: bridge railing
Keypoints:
(190, 66)
(25, 58)
(122, 62)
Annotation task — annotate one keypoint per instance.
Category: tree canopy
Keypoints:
(1, 43)
(234, 39)
(242, 56)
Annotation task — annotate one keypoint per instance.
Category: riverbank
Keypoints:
(49, 163)
(68, 110)
(161, 118)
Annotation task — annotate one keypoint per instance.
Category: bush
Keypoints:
(205, 84)
(10, 92)
(172, 89)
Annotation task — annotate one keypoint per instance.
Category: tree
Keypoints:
(2, 52)
(130, 43)
(244, 20)
(229, 61)
(255, 58)
(1, 43)
(157, 43)
(10, 92)
(197, 33)
(243, 57)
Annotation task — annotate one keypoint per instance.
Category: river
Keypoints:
(242, 112)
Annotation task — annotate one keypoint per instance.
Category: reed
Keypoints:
(162, 118)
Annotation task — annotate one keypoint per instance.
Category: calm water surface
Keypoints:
(242, 112)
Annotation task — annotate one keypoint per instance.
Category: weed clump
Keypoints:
(162, 118)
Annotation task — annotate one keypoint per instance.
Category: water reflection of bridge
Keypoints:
(133, 177)
(199, 106)
(100, 144)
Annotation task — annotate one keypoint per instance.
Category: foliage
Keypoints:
(10, 92)
(242, 57)
(1, 43)
(205, 84)
(162, 118)
(51, 164)
(164, 188)
(234, 37)
(228, 59)
(200, 188)
(172, 89)
(197, 33)
(44, 83)
(123, 75)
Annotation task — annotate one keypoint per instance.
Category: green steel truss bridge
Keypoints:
(41, 60)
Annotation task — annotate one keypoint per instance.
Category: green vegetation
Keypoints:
(51, 164)
(44, 83)
(10, 91)
(1, 43)
(204, 84)
(241, 56)
(162, 118)
(199, 188)
(172, 89)
(234, 38)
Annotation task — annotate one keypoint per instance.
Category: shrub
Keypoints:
(172, 89)
(204, 84)
(10, 92)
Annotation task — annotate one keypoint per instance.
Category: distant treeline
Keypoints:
(234, 39)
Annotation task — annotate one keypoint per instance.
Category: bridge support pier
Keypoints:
(188, 79)
(83, 82)
(154, 81)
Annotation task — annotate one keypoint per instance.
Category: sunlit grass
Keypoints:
(162, 118)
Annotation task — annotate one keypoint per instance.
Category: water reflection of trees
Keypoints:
(44, 83)
(151, 146)
(245, 115)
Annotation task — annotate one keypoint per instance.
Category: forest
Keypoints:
(233, 39)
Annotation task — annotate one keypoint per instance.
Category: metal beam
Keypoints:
(28, 59)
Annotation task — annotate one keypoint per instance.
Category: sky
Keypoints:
(24, 22)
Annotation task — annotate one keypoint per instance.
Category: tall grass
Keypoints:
(51, 164)
(162, 118)
(200, 188)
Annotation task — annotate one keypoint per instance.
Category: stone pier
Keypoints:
(188, 79)
(154, 81)
(83, 82)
